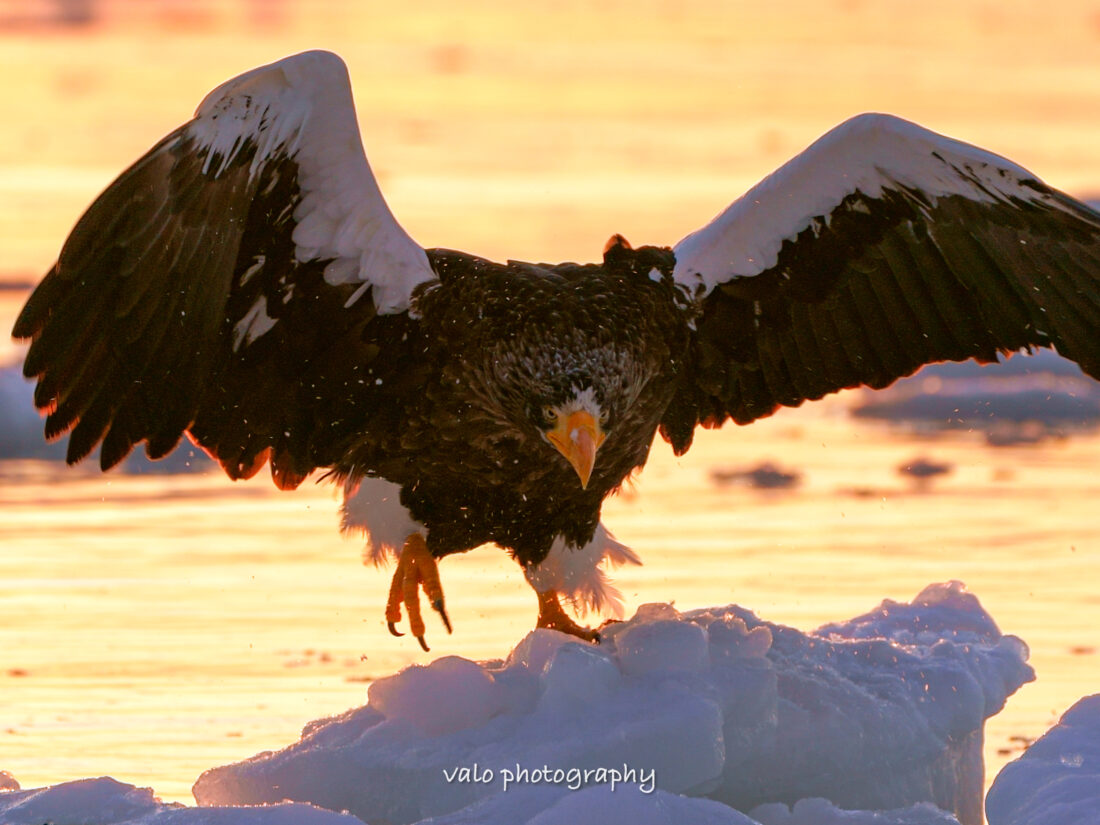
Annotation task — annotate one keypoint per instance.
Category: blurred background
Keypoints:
(535, 132)
(154, 626)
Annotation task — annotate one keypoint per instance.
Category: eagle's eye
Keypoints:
(549, 416)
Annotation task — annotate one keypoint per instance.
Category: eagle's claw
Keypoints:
(437, 605)
(416, 569)
(553, 616)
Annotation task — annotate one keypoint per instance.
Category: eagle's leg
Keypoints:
(553, 616)
(415, 569)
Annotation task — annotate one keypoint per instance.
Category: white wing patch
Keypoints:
(255, 323)
(260, 107)
(868, 153)
(302, 108)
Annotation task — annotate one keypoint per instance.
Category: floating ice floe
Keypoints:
(1020, 399)
(1057, 780)
(104, 801)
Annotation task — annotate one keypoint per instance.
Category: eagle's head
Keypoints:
(575, 427)
(556, 369)
(563, 396)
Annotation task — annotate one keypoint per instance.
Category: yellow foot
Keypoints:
(553, 616)
(415, 569)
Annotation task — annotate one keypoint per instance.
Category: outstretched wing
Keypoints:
(240, 282)
(880, 248)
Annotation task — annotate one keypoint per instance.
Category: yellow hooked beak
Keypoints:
(577, 436)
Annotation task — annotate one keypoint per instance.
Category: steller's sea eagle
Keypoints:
(245, 283)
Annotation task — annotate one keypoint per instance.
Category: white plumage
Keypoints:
(302, 107)
(866, 154)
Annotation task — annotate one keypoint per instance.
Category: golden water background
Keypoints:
(153, 627)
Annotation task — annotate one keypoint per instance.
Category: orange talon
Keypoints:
(416, 568)
(393, 603)
(553, 616)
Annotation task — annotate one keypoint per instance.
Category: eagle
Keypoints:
(244, 283)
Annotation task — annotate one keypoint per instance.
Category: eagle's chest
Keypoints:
(507, 509)
(510, 343)
(478, 479)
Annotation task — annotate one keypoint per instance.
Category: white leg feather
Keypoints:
(576, 573)
(372, 506)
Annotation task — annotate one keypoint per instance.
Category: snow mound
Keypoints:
(114, 803)
(882, 712)
(599, 805)
(473, 696)
(1057, 780)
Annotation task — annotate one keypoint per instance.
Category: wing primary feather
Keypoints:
(117, 444)
(73, 391)
(899, 316)
(72, 324)
(775, 373)
(949, 298)
(840, 372)
(812, 361)
(882, 356)
(38, 308)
